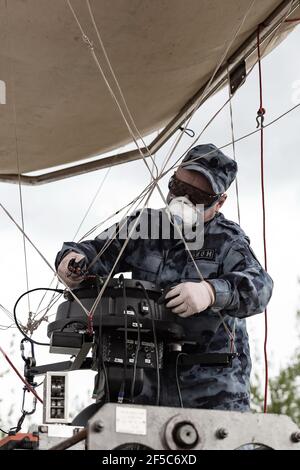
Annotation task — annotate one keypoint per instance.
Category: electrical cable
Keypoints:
(121, 278)
(177, 378)
(15, 314)
(100, 350)
(154, 340)
(4, 432)
(138, 346)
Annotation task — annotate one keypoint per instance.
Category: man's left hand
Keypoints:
(189, 298)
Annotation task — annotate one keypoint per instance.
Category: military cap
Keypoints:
(219, 169)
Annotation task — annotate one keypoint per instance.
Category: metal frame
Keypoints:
(243, 52)
(162, 428)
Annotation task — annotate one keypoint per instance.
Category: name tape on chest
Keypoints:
(207, 253)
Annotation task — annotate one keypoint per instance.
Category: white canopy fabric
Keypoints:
(58, 109)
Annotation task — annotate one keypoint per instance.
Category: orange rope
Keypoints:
(260, 114)
(29, 387)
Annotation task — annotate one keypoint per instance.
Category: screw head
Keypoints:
(185, 435)
(98, 426)
(221, 433)
(43, 429)
(295, 437)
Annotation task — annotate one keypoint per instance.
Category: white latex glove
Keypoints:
(189, 298)
(71, 279)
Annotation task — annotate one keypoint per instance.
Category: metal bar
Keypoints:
(74, 170)
(243, 52)
(64, 366)
(64, 445)
(79, 359)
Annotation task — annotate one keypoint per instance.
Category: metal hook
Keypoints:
(189, 132)
(260, 117)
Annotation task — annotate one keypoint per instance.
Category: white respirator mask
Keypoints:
(183, 212)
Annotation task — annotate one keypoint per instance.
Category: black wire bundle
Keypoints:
(123, 387)
(138, 346)
(101, 363)
(154, 340)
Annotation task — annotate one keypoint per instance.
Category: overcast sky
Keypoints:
(54, 211)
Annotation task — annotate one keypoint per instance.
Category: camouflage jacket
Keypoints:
(242, 288)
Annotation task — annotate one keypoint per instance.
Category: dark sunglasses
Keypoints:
(196, 196)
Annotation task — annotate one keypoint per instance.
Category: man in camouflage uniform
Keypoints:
(234, 285)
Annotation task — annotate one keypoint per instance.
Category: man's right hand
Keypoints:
(70, 269)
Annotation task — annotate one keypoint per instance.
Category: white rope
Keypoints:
(274, 32)
(35, 322)
(92, 202)
(226, 145)
(268, 40)
(24, 237)
(91, 48)
(7, 327)
(245, 136)
(121, 226)
(41, 255)
(131, 203)
(99, 66)
(208, 85)
(118, 84)
(124, 101)
(142, 155)
(11, 70)
(98, 299)
(50, 305)
(93, 229)
(233, 148)
(86, 39)
(24, 240)
(202, 96)
(129, 128)
(76, 233)
(7, 312)
(196, 140)
(204, 92)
